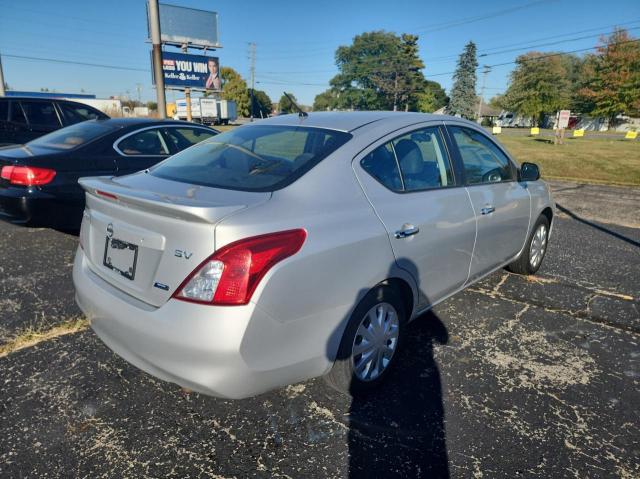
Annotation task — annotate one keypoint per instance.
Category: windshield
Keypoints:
(73, 136)
(253, 158)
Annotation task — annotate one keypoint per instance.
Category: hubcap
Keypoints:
(538, 246)
(375, 342)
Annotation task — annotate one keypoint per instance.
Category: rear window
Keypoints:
(73, 136)
(255, 158)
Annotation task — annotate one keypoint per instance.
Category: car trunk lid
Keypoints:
(145, 235)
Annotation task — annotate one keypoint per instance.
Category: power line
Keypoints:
(57, 60)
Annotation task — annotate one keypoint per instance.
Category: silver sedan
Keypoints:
(297, 247)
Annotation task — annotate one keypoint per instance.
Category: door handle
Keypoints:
(407, 230)
(487, 210)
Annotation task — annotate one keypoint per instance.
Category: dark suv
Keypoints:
(23, 119)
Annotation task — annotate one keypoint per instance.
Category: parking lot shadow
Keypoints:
(399, 431)
(608, 231)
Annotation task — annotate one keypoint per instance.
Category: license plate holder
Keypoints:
(121, 257)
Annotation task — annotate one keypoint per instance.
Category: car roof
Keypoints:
(137, 121)
(349, 121)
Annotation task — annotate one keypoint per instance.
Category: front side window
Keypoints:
(252, 158)
(182, 138)
(423, 160)
(483, 161)
(41, 113)
(145, 143)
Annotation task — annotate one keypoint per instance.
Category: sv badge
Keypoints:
(182, 254)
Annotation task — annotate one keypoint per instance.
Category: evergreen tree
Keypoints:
(463, 93)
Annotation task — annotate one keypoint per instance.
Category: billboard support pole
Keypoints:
(2, 92)
(187, 91)
(154, 26)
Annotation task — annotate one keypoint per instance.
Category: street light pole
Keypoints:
(154, 26)
(2, 92)
(487, 69)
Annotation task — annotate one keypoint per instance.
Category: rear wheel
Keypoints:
(531, 258)
(370, 343)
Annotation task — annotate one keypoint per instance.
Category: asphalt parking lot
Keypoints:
(515, 377)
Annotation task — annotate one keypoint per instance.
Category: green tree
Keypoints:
(379, 70)
(285, 104)
(327, 100)
(539, 85)
(152, 105)
(262, 106)
(431, 98)
(611, 78)
(463, 92)
(235, 88)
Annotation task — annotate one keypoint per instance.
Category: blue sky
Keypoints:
(296, 40)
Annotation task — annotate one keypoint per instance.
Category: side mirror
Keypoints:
(529, 172)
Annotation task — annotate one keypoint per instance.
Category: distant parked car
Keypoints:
(296, 247)
(23, 119)
(39, 181)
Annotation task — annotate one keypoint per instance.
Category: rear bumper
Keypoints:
(199, 347)
(37, 208)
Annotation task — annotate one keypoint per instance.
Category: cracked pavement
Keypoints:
(514, 377)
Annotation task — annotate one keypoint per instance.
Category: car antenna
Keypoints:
(301, 112)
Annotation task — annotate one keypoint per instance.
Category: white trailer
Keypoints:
(207, 110)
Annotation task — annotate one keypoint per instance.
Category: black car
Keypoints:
(39, 180)
(23, 119)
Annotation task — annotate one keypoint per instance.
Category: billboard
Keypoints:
(188, 26)
(183, 70)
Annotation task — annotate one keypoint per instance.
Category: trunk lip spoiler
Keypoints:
(185, 209)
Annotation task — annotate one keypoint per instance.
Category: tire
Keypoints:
(349, 372)
(528, 262)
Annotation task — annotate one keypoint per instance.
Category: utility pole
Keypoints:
(252, 57)
(486, 70)
(187, 91)
(139, 90)
(154, 25)
(2, 92)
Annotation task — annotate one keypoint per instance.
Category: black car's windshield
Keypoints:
(255, 158)
(73, 136)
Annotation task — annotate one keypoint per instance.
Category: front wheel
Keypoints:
(369, 345)
(531, 258)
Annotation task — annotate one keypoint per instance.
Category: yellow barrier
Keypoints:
(631, 135)
(497, 130)
(535, 130)
(578, 133)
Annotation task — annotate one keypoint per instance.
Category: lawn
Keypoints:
(591, 160)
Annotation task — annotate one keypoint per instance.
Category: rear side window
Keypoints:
(381, 164)
(4, 110)
(41, 113)
(77, 113)
(182, 138)
(252, 158)
(145, 143)
(423, 160)
(483, 161)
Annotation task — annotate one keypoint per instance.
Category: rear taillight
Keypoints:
(27, 175)
(231, 274)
